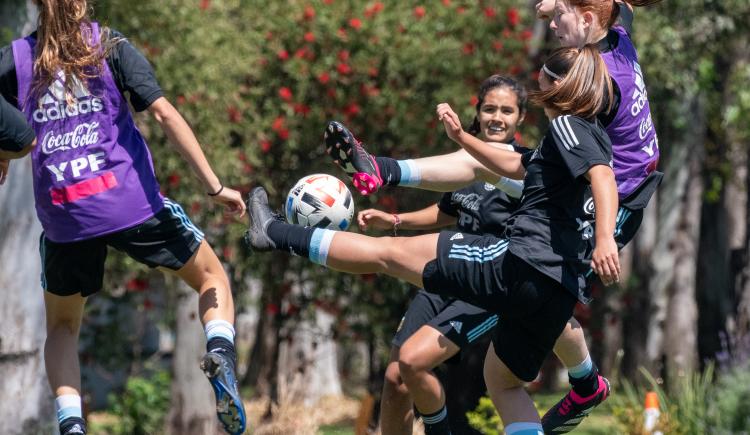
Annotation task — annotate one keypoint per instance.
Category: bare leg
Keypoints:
(449, 172)
(507, 393)
(421, 353)
(396, 413)
(399, 257)
(64, 314)
(571, 347)
(204, 273)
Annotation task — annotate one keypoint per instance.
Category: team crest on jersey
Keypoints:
(489, 187)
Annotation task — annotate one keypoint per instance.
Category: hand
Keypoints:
(545, 9)
(231, 200)
(605, 261)
(376, 219)
(451, 122)
(4, 168)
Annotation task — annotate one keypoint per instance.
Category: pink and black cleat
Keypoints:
(347, 152)
(568, 413)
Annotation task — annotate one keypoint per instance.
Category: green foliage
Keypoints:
(142, 407)
(731, 400)
(485, 418)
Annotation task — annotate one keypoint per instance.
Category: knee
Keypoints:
(393, 381)
(410, 364)
(64, 325)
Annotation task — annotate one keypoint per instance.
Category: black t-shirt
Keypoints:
(481, 208)
(15, 132)
(548, 229)
(131, 72)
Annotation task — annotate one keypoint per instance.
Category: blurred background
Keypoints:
(257, 81)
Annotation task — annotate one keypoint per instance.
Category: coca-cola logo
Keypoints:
(468, 201)
(82, 135)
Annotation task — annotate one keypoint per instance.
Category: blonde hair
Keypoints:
(584, 86)
(64, 44)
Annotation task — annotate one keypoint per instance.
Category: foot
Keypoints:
(260, 216)
(229, 408)
(73, 426)
(568, 413)
(347, 152)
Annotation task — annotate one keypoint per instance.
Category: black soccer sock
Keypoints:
(390, 171)
(587, 385)
(289, 237)
(437, 423)
(222, 345)
(73, 426)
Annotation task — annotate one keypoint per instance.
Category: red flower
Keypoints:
(355, 23)
(283, 54)
(324, 77)
(228, 253)
(328, 2)
(352, 109)
(301, 109)
(285, 93)
(136, 285)
(497, 45)
(343, 55)
(195, 207)
(205, 4)
(373, 72)
(173, 180)
(278, 124)
(535, 76)
(489, 12)
(344, 69)
(419, 11)
(526, 34)
(342, 32)
(309, 37)
(309, 13)
(234, 114)
(331, 92)
(265, 145)
(474, 100)
(374, 9)
(515, 69)
(272, 309)
(517, 137)
(301, 53)
(446, 2)
(460, 10)
(468, 48)
(513, 17)
(284, 134)
(180, 100)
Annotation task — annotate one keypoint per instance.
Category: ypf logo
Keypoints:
(53, 104)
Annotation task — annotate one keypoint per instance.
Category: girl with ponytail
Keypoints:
(95, 188)
(533, 276)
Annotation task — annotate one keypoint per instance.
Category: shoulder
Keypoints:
(570, 130)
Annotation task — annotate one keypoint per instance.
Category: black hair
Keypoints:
(493, 82)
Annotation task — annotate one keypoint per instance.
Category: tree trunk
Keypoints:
(193, 409)
(27, 401)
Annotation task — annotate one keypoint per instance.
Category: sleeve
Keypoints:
(133, 73)
(577, 145)
(15, 132)
(446, 204)
(626, 17)
(8, 80)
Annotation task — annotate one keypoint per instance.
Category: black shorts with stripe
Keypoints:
(168, 239)
(460, 322)
(532, 308)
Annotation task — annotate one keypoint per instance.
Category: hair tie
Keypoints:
(550, 73)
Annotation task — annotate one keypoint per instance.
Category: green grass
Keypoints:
(336, 430)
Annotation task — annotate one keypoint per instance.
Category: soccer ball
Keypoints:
(321, 201)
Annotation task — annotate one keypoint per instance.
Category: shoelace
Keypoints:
(565, 406)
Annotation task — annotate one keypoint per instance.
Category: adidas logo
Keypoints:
(457, 325)
(457, 236)
(53, 105)
(75, 429)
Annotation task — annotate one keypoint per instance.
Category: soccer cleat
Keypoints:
(229, 408)
(260, 216)
(568, 413)
(347, 152)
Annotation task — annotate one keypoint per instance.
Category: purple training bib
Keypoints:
(93, 173)
(634, 143)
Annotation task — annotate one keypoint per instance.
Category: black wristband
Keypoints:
(221, 189)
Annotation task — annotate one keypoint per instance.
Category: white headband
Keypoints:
(550, 73)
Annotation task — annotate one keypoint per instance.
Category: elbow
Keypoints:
(12, 155)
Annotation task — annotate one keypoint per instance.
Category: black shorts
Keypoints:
(168, 239)
(532, 308)
(627, 223)
(459, 322)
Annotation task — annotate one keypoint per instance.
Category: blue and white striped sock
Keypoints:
(522, 428)
(581, 370)
(436, 423)
(67, 406)
(319, 246)
(410, 173)
(219, 328)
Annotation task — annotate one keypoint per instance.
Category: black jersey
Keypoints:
(15, 132)
(130, 69)
(481, 208)
(549, 228)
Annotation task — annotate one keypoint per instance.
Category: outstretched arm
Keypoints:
(501, 161)
(605, 260)
(181, 136)
(425, 219)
